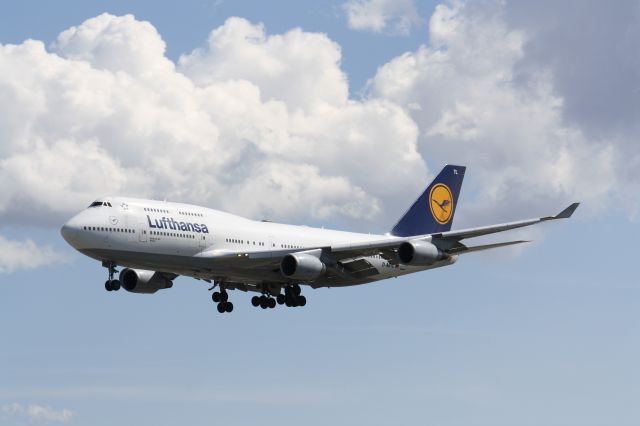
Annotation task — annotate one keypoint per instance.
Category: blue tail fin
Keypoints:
(433, 211)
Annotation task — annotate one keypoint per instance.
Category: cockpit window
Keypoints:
(100, 204)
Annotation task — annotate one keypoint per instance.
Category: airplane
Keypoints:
(157, 241)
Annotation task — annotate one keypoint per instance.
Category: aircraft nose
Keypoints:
(69, 232)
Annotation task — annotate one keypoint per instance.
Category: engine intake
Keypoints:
(419, 253)
(302, 266)
(142, 281)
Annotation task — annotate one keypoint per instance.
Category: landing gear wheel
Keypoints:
(107, 286)
(281, 299)
(264, 302)
(216, 297)
(255, 301)
(228, 307)
(302, 300)
(115, 285)
(296, 301)
(296, 289)
(221, 307)
(272, 302)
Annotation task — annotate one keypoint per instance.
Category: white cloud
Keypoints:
(381, 15)
(25, 254)
(299, 68)
(38, 413)
(262, 125)
(249, 114)
(460, 90)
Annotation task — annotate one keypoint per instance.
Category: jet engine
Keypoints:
(141, 281)
(302, 266)
(419, 253)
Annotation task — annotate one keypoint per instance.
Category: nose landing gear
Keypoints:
(111, 284)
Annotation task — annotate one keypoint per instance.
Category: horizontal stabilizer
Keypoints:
(461, 248)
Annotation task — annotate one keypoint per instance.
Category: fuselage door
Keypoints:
(142, 232)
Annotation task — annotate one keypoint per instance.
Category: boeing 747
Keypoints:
(156, 241)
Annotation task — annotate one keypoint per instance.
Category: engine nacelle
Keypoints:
(302, 266)
(419, 253)
(141, 281)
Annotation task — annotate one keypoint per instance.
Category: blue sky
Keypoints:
(547, 334)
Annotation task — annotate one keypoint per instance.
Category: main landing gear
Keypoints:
(264, 301)
(292, 297)
(111, 284)
(222, 299)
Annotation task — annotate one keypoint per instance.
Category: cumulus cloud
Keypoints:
(105, 112)
(399, 16)
(462, 91)
(592, 53)
(37, 413)
(299, 68)
(25, 254)
(262, 124)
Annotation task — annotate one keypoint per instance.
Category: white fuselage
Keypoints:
(174, 238)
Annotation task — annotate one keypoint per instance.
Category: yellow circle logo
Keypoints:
(441, 203)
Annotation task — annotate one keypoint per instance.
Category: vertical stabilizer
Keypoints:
(433, 211)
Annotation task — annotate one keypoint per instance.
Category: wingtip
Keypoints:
(566, 213)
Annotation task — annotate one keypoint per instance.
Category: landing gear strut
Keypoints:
(111, 284)
(222, 299)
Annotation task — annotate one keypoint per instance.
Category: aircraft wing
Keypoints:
(449, 242)
(492, 229)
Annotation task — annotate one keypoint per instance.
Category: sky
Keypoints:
(333, 113)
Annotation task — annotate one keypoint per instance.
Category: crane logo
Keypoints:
(441, 203)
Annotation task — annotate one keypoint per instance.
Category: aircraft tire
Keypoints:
(272, 303)
(281, 299)
(222, 308)
(228, 307)
(216, 297)
(107, 286)
(302, 300)
(115, 285)
(255, 301)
